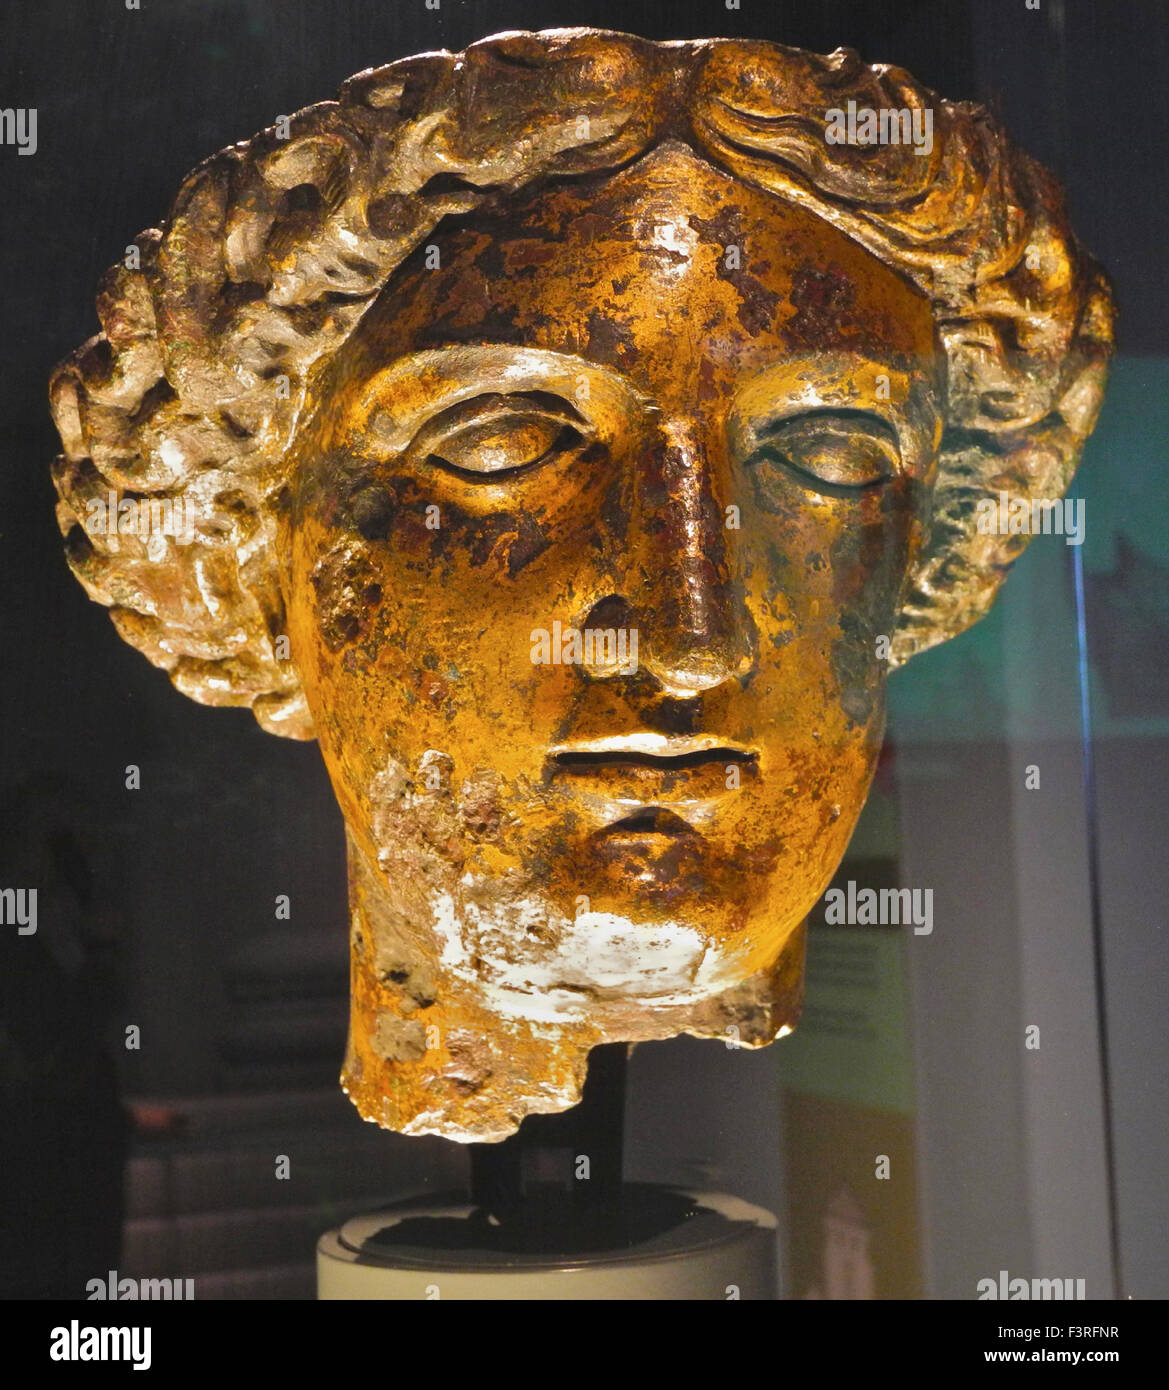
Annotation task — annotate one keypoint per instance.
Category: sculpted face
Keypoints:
(664, 405)
(594, 514)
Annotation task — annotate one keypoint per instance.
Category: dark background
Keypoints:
(157, 904)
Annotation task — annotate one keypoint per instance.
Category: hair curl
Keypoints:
(275, 247)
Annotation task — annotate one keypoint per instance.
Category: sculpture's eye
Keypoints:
(838, 453)
(495, 436)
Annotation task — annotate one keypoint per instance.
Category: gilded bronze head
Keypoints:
(573, 436)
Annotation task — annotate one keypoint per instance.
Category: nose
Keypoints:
(695, 631)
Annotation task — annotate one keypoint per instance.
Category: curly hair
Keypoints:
(276, 246)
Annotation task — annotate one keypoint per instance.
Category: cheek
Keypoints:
(869, 563)
(346, 593)
(428, 603)
(332, 594)
(827, 576)
(419, 638)
(869, 554)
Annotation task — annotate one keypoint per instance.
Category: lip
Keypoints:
(647, 824)
(665, 752)
(649, 785)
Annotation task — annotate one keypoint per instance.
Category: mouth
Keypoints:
(650, 786)
(661, 752)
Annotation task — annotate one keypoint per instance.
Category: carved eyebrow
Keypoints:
(462, 365)
(840, 384)
(896, 432)
(485, 409)
(867, 420)
(415, 387)
(485, 404)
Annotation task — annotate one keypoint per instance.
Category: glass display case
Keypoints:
(972, 1105)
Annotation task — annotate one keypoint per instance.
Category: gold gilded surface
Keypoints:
(574, 439)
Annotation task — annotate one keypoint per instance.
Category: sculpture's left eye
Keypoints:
(837, 453)
(495, 436)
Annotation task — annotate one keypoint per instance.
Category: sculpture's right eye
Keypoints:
(494, 437)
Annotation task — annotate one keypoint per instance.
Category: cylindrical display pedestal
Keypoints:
(657, 1242)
